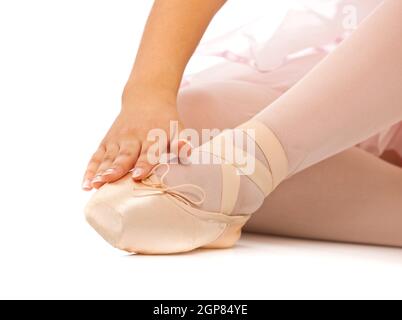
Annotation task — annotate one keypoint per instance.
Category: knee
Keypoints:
(199, 107)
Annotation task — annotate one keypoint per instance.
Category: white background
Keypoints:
(63, 65)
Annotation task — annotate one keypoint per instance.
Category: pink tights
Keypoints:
(336, 191)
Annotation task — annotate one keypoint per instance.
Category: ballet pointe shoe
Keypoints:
(150, 217)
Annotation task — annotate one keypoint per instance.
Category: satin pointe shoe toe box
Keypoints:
(149, 222)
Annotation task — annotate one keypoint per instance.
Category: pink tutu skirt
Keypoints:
(274, 61)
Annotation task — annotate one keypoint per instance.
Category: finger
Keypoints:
(182, 149)
(124, 161)
(92, 168)
(144, 164)
(110, 155)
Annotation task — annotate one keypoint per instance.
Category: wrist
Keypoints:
(139, 92)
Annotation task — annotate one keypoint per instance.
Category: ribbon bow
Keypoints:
(154, 185)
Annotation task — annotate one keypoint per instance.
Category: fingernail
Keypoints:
(137, 172)
(86, 185)
(97, 179)
(108, 172)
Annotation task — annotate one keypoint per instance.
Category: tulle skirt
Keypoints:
(274, 61)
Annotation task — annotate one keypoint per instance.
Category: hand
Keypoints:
(125, 146)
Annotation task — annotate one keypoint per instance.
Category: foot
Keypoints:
(254, 164)
(179, 207)
(204, 170)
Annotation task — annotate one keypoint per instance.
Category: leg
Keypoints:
(338, 104)
(211, 104)
(318, 117)
(351, 95)
(351, 197)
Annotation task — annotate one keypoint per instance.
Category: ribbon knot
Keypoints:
(189, 194)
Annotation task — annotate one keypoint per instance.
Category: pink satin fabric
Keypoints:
(278, 60)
